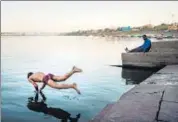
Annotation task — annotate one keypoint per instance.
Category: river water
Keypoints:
(99, 82)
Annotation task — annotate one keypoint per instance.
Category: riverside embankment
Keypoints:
(153, 100)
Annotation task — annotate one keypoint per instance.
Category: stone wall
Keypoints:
(161, 54)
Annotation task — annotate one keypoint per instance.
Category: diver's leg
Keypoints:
(67, 75)
(138, 49)
(52, 84)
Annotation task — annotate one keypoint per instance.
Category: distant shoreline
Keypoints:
(151, 34)
(158, 31)
(28, 34)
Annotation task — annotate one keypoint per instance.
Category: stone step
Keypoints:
(150, 59)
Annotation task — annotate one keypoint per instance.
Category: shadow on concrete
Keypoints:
(40, 106)
(135, 76)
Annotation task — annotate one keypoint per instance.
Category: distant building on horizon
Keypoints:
(128, 28)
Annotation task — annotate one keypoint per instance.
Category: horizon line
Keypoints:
(86, 29)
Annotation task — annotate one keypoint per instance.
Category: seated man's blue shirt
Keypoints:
(146, 45)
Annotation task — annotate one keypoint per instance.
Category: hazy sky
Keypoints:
(62, 16)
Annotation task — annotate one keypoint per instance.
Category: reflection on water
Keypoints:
(135, 76)
(37, 105)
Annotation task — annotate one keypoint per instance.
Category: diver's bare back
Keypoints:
(37, 77)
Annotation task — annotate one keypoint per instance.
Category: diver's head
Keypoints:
(29, 74)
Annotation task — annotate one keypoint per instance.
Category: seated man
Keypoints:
(50, 80)
(143, 48)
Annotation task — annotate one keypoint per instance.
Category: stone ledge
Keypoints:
(148, 102)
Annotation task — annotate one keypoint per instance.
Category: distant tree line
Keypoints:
(106, 31)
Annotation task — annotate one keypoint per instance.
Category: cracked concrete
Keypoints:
(168, 112)
(169, 108)
(159, 108)
(147, 102)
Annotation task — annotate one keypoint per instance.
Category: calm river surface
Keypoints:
(99, 82)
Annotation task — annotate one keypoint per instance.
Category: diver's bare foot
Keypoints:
(75, 87)
(75, 69)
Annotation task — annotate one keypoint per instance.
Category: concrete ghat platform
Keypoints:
(154, 100)
(161, 54)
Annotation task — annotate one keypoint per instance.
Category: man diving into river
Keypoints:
(51, 79)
